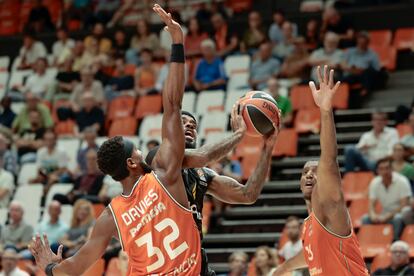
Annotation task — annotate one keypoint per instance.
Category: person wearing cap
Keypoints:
(9, 260)
(400, 261)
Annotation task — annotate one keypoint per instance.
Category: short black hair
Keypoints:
(383, 160)
(111, 159)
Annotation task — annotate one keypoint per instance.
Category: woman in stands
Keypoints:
(265, 260)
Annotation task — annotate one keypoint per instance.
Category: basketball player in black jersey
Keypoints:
(200, 180)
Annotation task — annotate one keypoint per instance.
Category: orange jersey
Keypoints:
(329, 254)
(158, 234)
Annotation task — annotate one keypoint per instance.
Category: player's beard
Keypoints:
(190, 145)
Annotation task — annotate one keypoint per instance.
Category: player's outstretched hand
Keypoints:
(237, 121)
(42, 253)
(172, 26)
(323, 97)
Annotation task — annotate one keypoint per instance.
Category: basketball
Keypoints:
(260, 113)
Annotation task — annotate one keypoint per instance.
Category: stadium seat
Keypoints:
(71, 147)
(98, 268)
(113, 267)
(98, 209)
(404, 129)
(130, 69)
(232, 98)
(340, 100)
(404, 38)
(380, 38)
(151, 126)
(213, 122)
(381, 260)
(359, 208)
(249, 145)
(4, 213)
(121, 107)
(30, 197)
(66, 128)
(249, 163)
(27, 172)
(355, 185)
(238, 81)
(308, 120)
(209, 101)
(408, 237)
(387, 56)
(236, 64)
(301, 97)
(4, 77)
(286, 143)
(215, 137)
(74, 25)
(8, 26)
(189, 101)
(375, 239)
(18, 78)
(58, 188)
(148, 105)
(4, 63)
(124, 127)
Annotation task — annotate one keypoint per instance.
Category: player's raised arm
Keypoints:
(169, 158)
(328, 201)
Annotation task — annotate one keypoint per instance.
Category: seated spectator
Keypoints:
(7, 115)
(54, 227)
(143, 39)
(52, 163)
(400, 261)
(65, 81)
(91, 114)
(120, 44)
(393, 192)
(92, 55)
(285, 47)
(399, 163)
(362, 65)
(275, 31)
(30, 51)
(332, 21)
(39, 18)
(209, 74)
(283, 103)
(39, 83)
(9, 260)
(6, 185)
(8, 156)
(408, 140)
(152, 144)
(263, 67)
(296, 65)
(22, 121)
(328, 55)
(312, 35)
(193, 38)
(104, 44)
(83, 219)
(372, 146)
(226, 39)
(62, 48)
(77, 55)
(255, 34)
(30, 139)
(146, 74)
(120, 81)
(89, 137)
(265, 260)
(237, 264)
(17, 233)
(88, 185)
(109, 190)
(294, 245)
(402, 112)
(105, 10)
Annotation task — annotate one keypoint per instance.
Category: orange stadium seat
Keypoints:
(249, 163)
(308, 120)
(404, 129)
(8, 27)
(387, 56)
(301, 97)
(358, 208)
(65, 128)
(340, 99)
(286, 143)
(113, 268)
(381, 261)
(74, 25)
(404, 38)
(148, 105)
(375, 239)
(121, 107)
(98, 268)
(130, 69)
(380, 38)
(408, 237)
(355, 185)
(124, 126)
(249, 145)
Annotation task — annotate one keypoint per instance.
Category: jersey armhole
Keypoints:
(333, 233)
(117, 226)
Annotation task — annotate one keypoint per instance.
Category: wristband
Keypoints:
(177, 53)
(49, 269)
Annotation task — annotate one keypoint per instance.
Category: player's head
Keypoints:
(190, 129)
(293, 228)
(119, 158)
(308, 179)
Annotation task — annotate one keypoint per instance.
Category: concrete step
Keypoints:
(290, 162)
(239, 239)
(281, 186)
(253, 225)
(265, 212)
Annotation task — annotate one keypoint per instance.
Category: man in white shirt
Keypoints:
(372, 146)
(62, 47)
(392, 190)
(6, 185)
(9, 261)
(294, 245)
(53, 227)
(39, 83)
(30, 51)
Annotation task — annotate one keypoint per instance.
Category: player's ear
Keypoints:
(131, 163)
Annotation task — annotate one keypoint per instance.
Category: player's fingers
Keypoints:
(46, 241)
(318, 74)
(337, 84)
(331, 78)
(240, 109)
(60, 250)
(325, 74)
(312, 87)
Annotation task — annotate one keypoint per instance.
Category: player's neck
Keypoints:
(309, 205)
(129, 183)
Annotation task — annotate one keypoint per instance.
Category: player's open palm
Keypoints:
(323, 96)
(42, 252)
(172, 26)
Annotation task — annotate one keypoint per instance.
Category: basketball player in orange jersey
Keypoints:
(330, 246)
(151, 217)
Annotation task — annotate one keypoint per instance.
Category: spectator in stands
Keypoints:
(30, 139)
(8, 156)
(39, 18)
(255, 34)
(30, 51)
(7, 115)
(329, 55)
(39, 83)
(393, 192)
(294, 245)
(23, 122)
(408, 140)
(77, 55)
(146, 74)
(52, 163)
(193, 38)
(226, 39)
(89, 138)
(332, 21)
(275, 31)
(152, 144)
(120, 82)
(362, 65)
(92, 54)
(88, 185)
(83, 218)
(399, 163)
(90, 115)
(105, 9)
(62, 48)
(237, 264)
(54, 227)
(372, 146)
(78, 11)
(9, 260)
(286, 47)
(120, 44)
(104, 44)
(312, 35)
(143, 39)
(263, 67)
(6, 185)
(265, 260)
(296, 65)
(65, 81)
(400, 261)
(228, 167)
(17, 233)
(209, 74)
(109, 190)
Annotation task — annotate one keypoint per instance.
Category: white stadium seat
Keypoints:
(213, 122)
(238, 81)
(16, 63)
(17, 106)
(151, 127)
(30, 197)
(18, 77)
(215, 137)
(232, 98)
(210, 101)
(51, 73)
(4, 77)
(189, 101)
(71, 147)
(4, 63)
(27, 172)
(4, 212)
(58, 188)
(236, 64)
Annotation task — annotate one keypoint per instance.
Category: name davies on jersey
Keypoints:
(142, 212)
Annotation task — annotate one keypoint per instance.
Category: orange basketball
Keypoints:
(260, 113)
